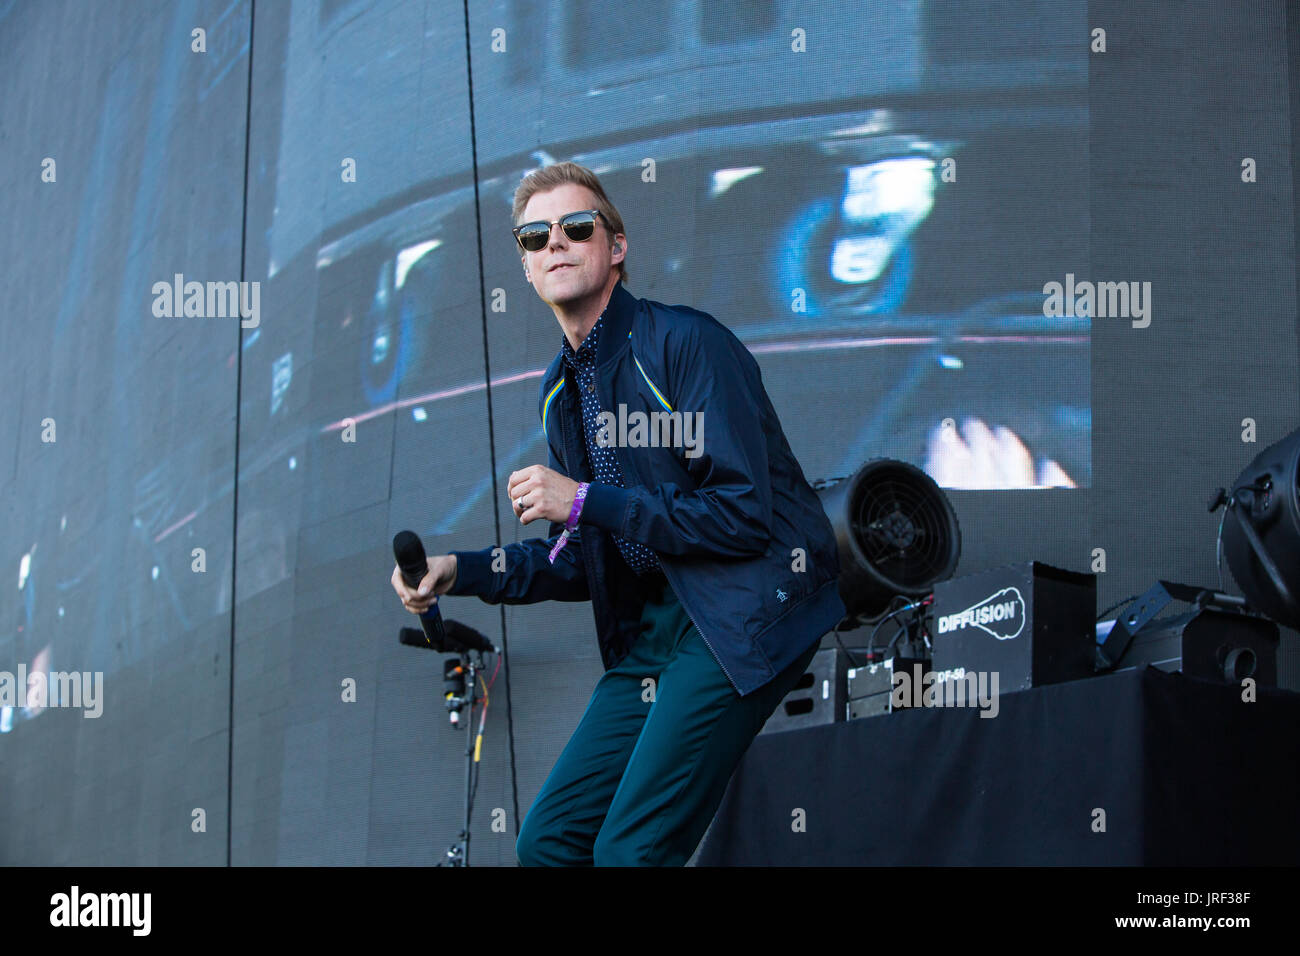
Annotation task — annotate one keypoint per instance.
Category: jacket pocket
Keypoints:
(779, 586)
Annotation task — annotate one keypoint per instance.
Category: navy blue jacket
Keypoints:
(741, 536)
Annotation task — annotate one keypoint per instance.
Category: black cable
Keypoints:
(1218, 548)
(1228, 505)
(487, 379)
(239, 385)
(848, 655)
(871, 641)
(902, 629)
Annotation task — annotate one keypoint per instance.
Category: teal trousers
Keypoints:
(643, 774)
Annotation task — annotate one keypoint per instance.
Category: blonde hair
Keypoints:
(558, 174)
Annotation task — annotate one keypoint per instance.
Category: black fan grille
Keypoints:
(901, 529)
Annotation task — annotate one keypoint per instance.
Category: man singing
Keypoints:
(677, 508)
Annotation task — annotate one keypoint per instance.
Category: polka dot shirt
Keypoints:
(604, 463)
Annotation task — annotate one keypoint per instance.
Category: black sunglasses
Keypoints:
(577, 226)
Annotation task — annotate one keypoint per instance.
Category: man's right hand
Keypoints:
(439, 580)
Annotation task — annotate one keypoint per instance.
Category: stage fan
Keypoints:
(897, 534)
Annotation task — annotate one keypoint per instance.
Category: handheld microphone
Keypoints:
(414, 565)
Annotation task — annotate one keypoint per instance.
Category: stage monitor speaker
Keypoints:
(817, 698)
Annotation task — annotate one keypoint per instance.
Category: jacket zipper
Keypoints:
(623, 466)
(571, 464)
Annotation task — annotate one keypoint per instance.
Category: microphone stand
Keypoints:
(466, 643)
(458, 852)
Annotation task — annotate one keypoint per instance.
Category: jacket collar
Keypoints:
(615, 324)
(618, 314)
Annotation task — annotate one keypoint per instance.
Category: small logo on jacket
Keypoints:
(781, 595)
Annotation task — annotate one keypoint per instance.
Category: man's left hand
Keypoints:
(539, 492)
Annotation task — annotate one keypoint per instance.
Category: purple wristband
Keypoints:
(569, 526)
